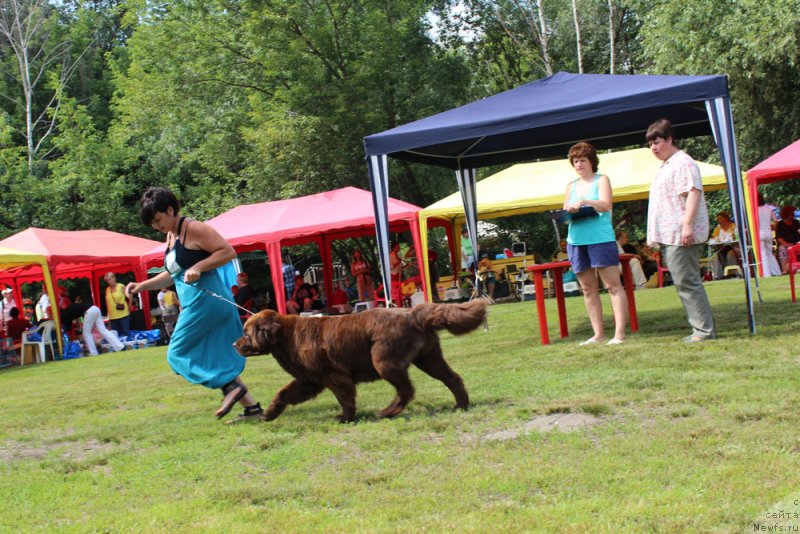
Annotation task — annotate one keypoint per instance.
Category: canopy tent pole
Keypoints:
(721, 119)
(379, 185)
(273, 250)
(466, 184)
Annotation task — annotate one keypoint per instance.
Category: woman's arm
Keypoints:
(566, 198)
(202, 236)
(603, 203)
(162, 279)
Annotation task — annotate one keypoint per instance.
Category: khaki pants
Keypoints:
(684, 268)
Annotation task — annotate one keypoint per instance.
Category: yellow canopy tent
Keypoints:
(12, 259)
(534, 187)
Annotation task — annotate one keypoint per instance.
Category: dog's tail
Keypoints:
(455, 318)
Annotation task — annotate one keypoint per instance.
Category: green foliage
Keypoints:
(230, 102)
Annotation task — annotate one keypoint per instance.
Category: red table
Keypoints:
(558, 268)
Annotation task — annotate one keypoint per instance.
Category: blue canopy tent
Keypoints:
(543, 119)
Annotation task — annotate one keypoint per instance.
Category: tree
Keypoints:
(30, 28)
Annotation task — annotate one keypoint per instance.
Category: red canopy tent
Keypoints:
(782, 165)
(79, 254)
(320, 218)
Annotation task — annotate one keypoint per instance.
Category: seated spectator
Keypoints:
(244, 297)
(649, 260)
(639, 279)
(624, 243)
(787, 233)
(305, 297)
(728, 254)
(561, 253)
(16, 326)
(486, 274)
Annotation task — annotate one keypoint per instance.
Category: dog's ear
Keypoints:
(267, 332)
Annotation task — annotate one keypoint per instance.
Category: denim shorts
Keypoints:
(599, 255)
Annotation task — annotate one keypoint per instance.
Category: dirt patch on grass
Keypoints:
(563, 422)
(70, 450)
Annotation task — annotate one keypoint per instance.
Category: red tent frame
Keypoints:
(80, 254)
(321, 218)
(783, 165)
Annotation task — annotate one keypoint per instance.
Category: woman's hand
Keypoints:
(574, 207)
(192, 275)
(132, 289)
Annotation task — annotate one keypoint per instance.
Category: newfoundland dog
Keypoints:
(338, 352)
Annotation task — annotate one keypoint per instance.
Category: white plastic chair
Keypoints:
(45, 330)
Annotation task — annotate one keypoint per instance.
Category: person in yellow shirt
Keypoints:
(117, 306)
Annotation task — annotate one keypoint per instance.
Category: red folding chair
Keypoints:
(792, 265)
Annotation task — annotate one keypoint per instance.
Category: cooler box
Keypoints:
(528, 292)
(571, 289)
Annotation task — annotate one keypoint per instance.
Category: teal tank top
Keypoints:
(590, 230)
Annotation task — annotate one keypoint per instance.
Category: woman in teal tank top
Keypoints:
(591, 244)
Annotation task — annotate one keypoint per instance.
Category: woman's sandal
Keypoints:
(232, 392)
(250, 412)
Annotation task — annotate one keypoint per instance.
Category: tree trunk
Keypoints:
(548, 63)
(611, 35)
(578, 35)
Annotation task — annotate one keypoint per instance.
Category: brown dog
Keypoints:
(339, 352)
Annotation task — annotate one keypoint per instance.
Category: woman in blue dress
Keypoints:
(201, 347)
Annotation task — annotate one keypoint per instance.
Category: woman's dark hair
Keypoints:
(661, 128)
(787, 211)
(761, 201)
(14, 313)
(155, 200)
(584, 149)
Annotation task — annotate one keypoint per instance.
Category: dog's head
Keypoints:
(261, 333)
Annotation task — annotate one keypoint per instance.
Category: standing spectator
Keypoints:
(170, 308)
(787, 233)
(62, 297)
(591, 244)
(360, 269)
(92, 320)
(467, 254)
(677, 221)
(433, 274)
(766, 219)
(6, 305)
(288, 276)
(395, 262)
(43, 310)
(117, 305)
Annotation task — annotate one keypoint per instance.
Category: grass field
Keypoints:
(653, 435)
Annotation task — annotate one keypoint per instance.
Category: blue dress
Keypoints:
(201, 346)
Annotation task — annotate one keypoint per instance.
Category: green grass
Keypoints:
(684, 437)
